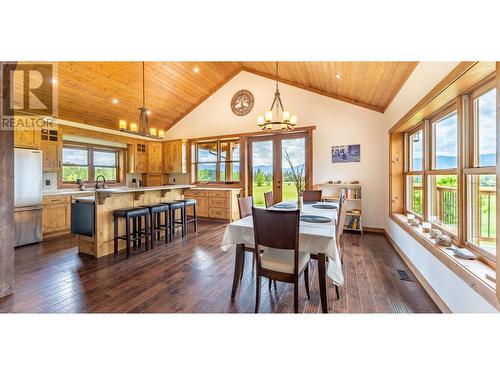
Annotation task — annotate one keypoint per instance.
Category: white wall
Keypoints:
(337, 123)
(455, 293)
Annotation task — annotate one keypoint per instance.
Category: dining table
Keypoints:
(316, 236)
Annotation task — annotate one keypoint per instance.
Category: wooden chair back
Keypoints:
(277, 229)
(269, 199)
(310, 196)
(245, 206)
(341, 217)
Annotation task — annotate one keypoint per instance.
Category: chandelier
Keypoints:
(280, 117)
(143, 117)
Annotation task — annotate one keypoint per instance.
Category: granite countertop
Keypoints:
(121, 190)
(216, 188)
(67, 192)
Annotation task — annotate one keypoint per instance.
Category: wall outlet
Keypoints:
(47, 182)
(174, 180)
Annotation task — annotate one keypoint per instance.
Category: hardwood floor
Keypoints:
(192, 274)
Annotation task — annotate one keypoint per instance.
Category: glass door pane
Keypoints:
(262, 170)
(294, 148)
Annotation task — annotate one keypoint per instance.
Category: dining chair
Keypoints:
(245, 206)
(311, 196)
(278, 233)
(269, 199)
(341, 222)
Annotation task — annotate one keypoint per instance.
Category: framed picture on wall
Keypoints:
(346, 154)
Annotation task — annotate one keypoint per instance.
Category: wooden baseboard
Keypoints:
(428, 288)
(374, 230)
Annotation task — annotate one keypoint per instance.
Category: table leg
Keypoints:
(238, 264)
(322, 281)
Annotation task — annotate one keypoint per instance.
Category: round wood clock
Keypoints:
(242, 102)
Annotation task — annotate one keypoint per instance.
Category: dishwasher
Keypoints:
(83, 216)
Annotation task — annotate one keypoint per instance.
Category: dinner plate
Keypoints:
(314, 219)
(324, 206)
(285, 206)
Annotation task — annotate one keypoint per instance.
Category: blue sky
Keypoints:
(487, 126)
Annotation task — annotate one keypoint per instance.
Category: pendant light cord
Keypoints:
(143, 87)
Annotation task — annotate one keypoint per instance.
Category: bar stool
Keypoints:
(190, 203)
(136, 214)
(155, 213)
(173, 207)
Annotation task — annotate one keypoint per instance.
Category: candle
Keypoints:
(260, 120)
(293, 120)
(122, 125)
(161, 133)
(268, 116)
(152, 131)
(410, 217)
(286, 116)
(133, 127)
(426, 227)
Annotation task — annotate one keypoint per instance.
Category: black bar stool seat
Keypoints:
(135, 214)
(190, 202)
(174, 206)
(155, 211)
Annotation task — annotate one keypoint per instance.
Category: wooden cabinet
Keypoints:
(175, 156)
(51, 144)
(56, 215)
(152, 179)
(215, 204)
(155, 162)
(138, 157)
(27, 138)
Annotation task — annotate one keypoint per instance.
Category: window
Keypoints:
(456, 189)
(217, 161)
(414, 173)
(86, 163)
(481, 177)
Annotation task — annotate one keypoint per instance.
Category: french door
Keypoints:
(269, 169)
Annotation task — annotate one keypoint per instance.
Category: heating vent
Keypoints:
(403, 275)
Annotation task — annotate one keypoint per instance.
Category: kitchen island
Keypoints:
(108, 200)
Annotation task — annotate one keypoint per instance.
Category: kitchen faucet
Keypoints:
(103, 186)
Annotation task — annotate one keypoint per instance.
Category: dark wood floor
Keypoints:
(194, 275)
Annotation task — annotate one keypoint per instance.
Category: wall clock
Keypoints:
(242, 102)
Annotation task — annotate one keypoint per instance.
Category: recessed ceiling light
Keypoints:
(196, 69)
(148, 112)
(338, 76)
(115, 101)
(54, 81)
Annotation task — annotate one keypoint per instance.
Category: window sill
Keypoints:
(472, 272)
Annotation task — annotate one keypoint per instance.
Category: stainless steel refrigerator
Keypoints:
(27, 196)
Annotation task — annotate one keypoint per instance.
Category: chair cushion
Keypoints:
(131, 212)
(175, 205)
(156, 208)
(188, 202)
(282, 260)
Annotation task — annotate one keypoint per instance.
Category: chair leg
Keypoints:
(115, 240)
(183, 220)
(147, 231)
(243, 266)
(151, 232)
(166, 225)
(275, 288)
(172, 224)
(257, 294)
(270, 282)
(337, 294)
(296, 296)
(306, 280)
(195, 217)
(127, 235)
(158, 223)
(139, 228)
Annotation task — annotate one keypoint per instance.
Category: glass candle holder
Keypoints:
(410, 217)
(426, 227)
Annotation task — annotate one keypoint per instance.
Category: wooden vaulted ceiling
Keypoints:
(173, 89)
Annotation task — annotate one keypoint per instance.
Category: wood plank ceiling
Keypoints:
(173, 89)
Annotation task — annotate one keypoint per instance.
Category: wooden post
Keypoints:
(6, 200)
(498, 172)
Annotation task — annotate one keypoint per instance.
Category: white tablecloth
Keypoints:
(313, 237)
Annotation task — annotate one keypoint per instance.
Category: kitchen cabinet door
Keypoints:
(56, 218)
(155, 162)
(27, 138)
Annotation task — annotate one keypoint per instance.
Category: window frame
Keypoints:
(467, 164)
(410, 172)
(217, 163)
(90, 162)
